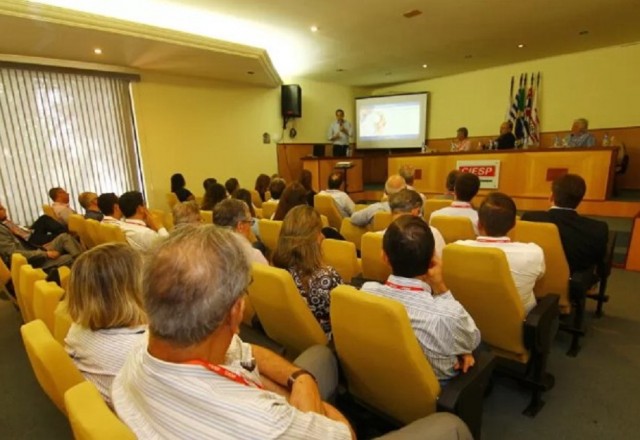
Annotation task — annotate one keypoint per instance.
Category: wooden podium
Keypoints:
(322, 167)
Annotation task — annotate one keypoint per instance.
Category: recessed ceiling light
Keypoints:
(250, 72)
(314, 28)
(424, 66)
(339, 70)
(520, 46)
(468, 56)
(387, 74)
(97, 51)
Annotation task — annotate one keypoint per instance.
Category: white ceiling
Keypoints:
(373, 43)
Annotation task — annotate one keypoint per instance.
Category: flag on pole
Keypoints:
(534, 121)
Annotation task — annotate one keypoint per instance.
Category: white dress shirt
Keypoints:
(111, 220)
(139, 235)
(526, 263)
(343, 138)
(364, 216)
(343, 201)
(62, 211)
(462, 209)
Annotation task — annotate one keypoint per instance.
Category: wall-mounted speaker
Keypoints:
(291, 101)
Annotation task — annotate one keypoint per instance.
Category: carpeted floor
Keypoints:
(596, 393)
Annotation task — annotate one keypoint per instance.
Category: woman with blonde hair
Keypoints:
(299, 252)
(105, 303)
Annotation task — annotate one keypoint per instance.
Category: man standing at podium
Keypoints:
(340, 132)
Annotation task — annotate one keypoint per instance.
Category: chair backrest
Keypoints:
(17, 261)
(282, 311)
(343, 257)
(481, 281)
(270, 232)
(112, 233)
(64, 272)
(381, 220)
(46, 297)
(255, 199)
(454, 228)
(62, 322)
(28, 278)
(383, 363)
(557, 273)
(52, 366)
(159, 216)
(373, 267)
(90, 417)
(325, 205)
(431, 205)
(172, 199)
(76, 225)
(48, 210)
(352, 233)
(206, 216)
(268, 209)
(93, 231)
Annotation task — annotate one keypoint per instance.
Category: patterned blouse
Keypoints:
(316, 293)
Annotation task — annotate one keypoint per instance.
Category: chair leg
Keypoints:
(540, 381)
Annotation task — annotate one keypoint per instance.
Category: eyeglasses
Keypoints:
(250, 221)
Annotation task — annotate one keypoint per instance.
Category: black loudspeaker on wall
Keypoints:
(291, 101)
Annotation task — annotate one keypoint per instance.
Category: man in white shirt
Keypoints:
(497, 216)
(445, 331)
(235, 215)
(466, 188)
(60, 204)
(139, 226)
(339, 134)
(196, 378)
(108, 205)
(394, 184)
(343, 201)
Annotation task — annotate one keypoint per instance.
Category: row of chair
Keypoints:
(93, 233)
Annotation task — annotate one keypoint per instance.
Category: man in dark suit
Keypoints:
(584, 240)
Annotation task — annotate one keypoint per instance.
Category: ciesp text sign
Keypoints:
(487, 170)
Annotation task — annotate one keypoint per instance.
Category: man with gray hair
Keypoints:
(196, 378)
(235, 215)
(394, 184)
(186, 213)
(580, 136)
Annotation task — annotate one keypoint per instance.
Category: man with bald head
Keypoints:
(394, 184)
(580, 136)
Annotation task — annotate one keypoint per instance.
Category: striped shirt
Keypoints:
(461, 209)
(100, 354)
(442, 326)
(163, 400)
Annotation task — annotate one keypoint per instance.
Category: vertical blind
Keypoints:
(63, 129)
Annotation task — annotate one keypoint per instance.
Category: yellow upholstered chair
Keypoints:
(454, 228)
(255, 198)
(46, 297)
(112, 233)
(172, 199)
(258, 212)
(17, 261)
(270, 232)
(52, 366)
(325, 205)
(48, 210)
(480, 279)
(268, 209)
(61, 322)
(28, 278)
(64, 272)
(381, 220)
(282, 311)
(90, 417)
(431, 205)
(342, 256)
(93, 231)
(159, 216)
(324, 220)
(206, 216)
(373, 267)
(352, 233)
(76, 225)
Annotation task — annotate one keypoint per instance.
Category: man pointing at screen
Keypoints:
(339, 134)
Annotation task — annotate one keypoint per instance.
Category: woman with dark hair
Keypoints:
(305, 180)
(294, 195)
(206, 183)
(215, 193)
(232, 185)
(178, 188)
(262, 186)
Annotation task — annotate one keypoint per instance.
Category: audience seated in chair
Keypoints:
(214, 194)
(343, 201)
(299, 252)
(294, 195)
(305, 180)
(178, 187)
(261, 187)
(196, 377)
(186, 213)
(450, 185)
(497, 216)
(246, 197)
(140, 227)
(105, 304)
(276, 188)
(444, 329)
(234, 214)
(108, 204)
(394, 184)
(60, 205)
(89, 201)
(231, 185)
(466, 188)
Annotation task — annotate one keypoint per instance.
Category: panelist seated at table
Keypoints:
(461, 142)
(505, 141)
(580, 136)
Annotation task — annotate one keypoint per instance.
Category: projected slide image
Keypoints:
(393, 120)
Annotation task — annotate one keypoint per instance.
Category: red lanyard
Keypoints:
(405, 288)
(225, 373)
(493, 240)
(460, 205)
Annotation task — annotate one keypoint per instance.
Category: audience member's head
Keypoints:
(294, 195)
(108, 204)
(335, 181)
(245, 196)
(306, 179)
(193, 286)
(407, 201)
(451, 180)
(506, 127)
(497, 215)
(89, 201)
(105, 289)
(568, 191)
(59, 195)
(276, 187)
(131, 203)
(214, 194)
(177, 182)
(186, 213)
(394, 184)
(407, 173)
(462, 133)
(408, 246)
(579, 126)
(262, 185)
(206, 183)
(3, 213)
(233, 214)
(299, 242)
(466, 187)
(231, 185)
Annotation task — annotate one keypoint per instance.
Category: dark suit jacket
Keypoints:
(584, 240)
(506, 141)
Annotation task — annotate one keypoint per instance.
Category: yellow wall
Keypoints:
(600, 85)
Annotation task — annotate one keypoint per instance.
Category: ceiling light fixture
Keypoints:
(314, 28)
(424, 66)
(97, 51)
(468, 56)
(585, 32)
(520, 46)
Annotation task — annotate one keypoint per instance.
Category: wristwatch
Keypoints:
(297, 374)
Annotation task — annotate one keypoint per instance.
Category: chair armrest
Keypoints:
(464, 394)
(541, 324)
